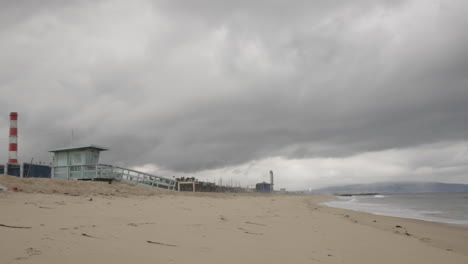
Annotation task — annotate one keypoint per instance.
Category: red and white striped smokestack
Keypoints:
(13, 147)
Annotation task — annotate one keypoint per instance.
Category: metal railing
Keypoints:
(105, 171)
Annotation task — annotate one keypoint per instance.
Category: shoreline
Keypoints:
(465, 226)
(441, 235)
(451, 222)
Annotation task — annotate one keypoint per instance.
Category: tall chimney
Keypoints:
(271, 181)
(13, 147)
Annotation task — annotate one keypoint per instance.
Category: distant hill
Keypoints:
(395, 187)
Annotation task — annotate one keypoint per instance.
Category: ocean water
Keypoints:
(449, 208)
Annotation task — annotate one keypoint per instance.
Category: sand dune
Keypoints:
(128, 224)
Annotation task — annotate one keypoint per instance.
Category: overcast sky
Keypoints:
(322, 92)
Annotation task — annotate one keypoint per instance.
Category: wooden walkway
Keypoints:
(110, 172)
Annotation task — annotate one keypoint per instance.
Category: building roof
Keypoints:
(79, 147)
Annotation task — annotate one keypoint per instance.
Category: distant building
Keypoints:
(263, 187)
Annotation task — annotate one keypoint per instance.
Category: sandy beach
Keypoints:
(53, 221)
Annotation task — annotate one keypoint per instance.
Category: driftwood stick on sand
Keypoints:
(249, 232)
(252, 223)
(86, 235)
(10, 226)
(159, 243)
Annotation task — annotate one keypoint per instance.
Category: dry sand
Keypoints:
(128, 224)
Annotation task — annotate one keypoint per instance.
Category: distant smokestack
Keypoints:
(271, 181)
(13, 147)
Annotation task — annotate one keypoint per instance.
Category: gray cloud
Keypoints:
(201, 85)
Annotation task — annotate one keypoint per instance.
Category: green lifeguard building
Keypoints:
(78, 162)
(82, 163)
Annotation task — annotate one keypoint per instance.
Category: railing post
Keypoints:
(119, 172)
(112, 171)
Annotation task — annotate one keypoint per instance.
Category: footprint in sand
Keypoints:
(32, 251)
(29, 252)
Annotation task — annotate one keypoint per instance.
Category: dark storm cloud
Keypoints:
(195, 85)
